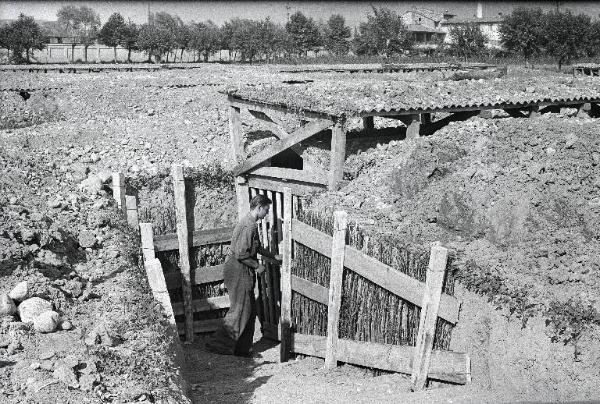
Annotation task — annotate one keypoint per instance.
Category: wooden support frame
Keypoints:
(286, 279)
(168, 242)
(131, 211)
(338, 154)
(184, 249)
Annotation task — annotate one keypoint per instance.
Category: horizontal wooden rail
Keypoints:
(202, 326)
(208, 304)
(201, 275)
(311, 290)
(298, 188)
(309, 176)
(168, 242)
(396, 282)
(445, 365)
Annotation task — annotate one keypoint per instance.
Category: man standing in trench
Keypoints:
(236, 335)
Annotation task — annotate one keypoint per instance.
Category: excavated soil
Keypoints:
(516, 200)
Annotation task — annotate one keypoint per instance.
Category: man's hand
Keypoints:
(260, 269)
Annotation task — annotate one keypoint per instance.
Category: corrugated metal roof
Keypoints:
(371, 96)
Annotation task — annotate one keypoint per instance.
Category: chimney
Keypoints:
(479, 10)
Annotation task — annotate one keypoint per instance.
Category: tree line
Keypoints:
(525, 31)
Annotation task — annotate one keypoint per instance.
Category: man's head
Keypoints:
(259, 206)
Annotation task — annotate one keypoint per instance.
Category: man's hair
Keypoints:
(260, 200)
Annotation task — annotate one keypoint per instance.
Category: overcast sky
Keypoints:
(220, 11)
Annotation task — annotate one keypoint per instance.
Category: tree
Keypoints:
(183, 38)
(130, 38)
(303, 32)
(157, 38)
(113, 32)
(522, 31)
(565, 35)
(22, 36)
(82, 23)
(467, 40)
(383, 33)
(205, 38)
(593, 41)
(337, 35)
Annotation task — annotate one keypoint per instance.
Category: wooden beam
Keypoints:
(131, 211)
(340, 220)
(267, 108)
(338, 154)
(311, 177)
(296, 137)
(448, 366)
(297, 188)
(429, 314)
(168, 242)
(391, 279)
(286, 278)
(236, 133)
(201, 275)
(118, 188)
(156, 280)
(200, 305)
(243, 199)
(184, 247)
(311, 290)
(146, 238)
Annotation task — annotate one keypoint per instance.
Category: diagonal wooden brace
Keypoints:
(294, 138)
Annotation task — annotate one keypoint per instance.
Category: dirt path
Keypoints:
(262, 379)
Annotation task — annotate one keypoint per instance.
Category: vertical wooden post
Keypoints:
(414, 127)
(426, 118)
(147, 238)
(429, 315)
(338, 154)
(279, 218)
(131, 210)
(286, 278)
(335, 286)
(118, 187)
(243, 202)
(237, 147)
(184, 248)
(158, 285)
(267, 273)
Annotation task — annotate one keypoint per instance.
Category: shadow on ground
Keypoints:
(223, 378)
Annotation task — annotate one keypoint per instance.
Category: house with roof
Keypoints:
(490, 26)
(425, 26)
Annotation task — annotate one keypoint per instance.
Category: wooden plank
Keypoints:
(312, 176)
(184, 248)
(338, 154)
(118, 188)
(429, 314)
(400, 284)
(311, 290)
(236, 133)
(202, 326)
(131, 210)
(448, 366)
(243, 201)
(201, 275)
(146, 236)
(286, 278)
(273, 248)
(156, 280)
(296, 137)
(296, 187)
(200, 305)
(340, 220)
(169, 242)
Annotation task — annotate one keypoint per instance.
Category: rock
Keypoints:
(28, 236)
(47, 354)
(54, 203)
(86, 239)
(66, 325)
(91, 185)
(65, 374)
(35, 365)
(47, 366)
(31, 308)
(88, 381)
(73, 287)
(19, 292)
(13, 347)
(4, 341)
(46, 322)
(7, 306)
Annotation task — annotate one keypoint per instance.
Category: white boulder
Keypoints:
(46, 322)
(19, 292)
(7, 306)
(31, 308)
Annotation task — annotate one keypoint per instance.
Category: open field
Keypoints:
(517, 200)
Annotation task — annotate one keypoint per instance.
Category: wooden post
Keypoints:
(286, 278)
(237, 148)
(414, 127)
(158, 285)
(118, 186)
(338, 154)
(534, 111)
(340, 219)
(243, 202)
(429, 315)
(131, 210)
(279, 218)
(184, 248)
(147, 239)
